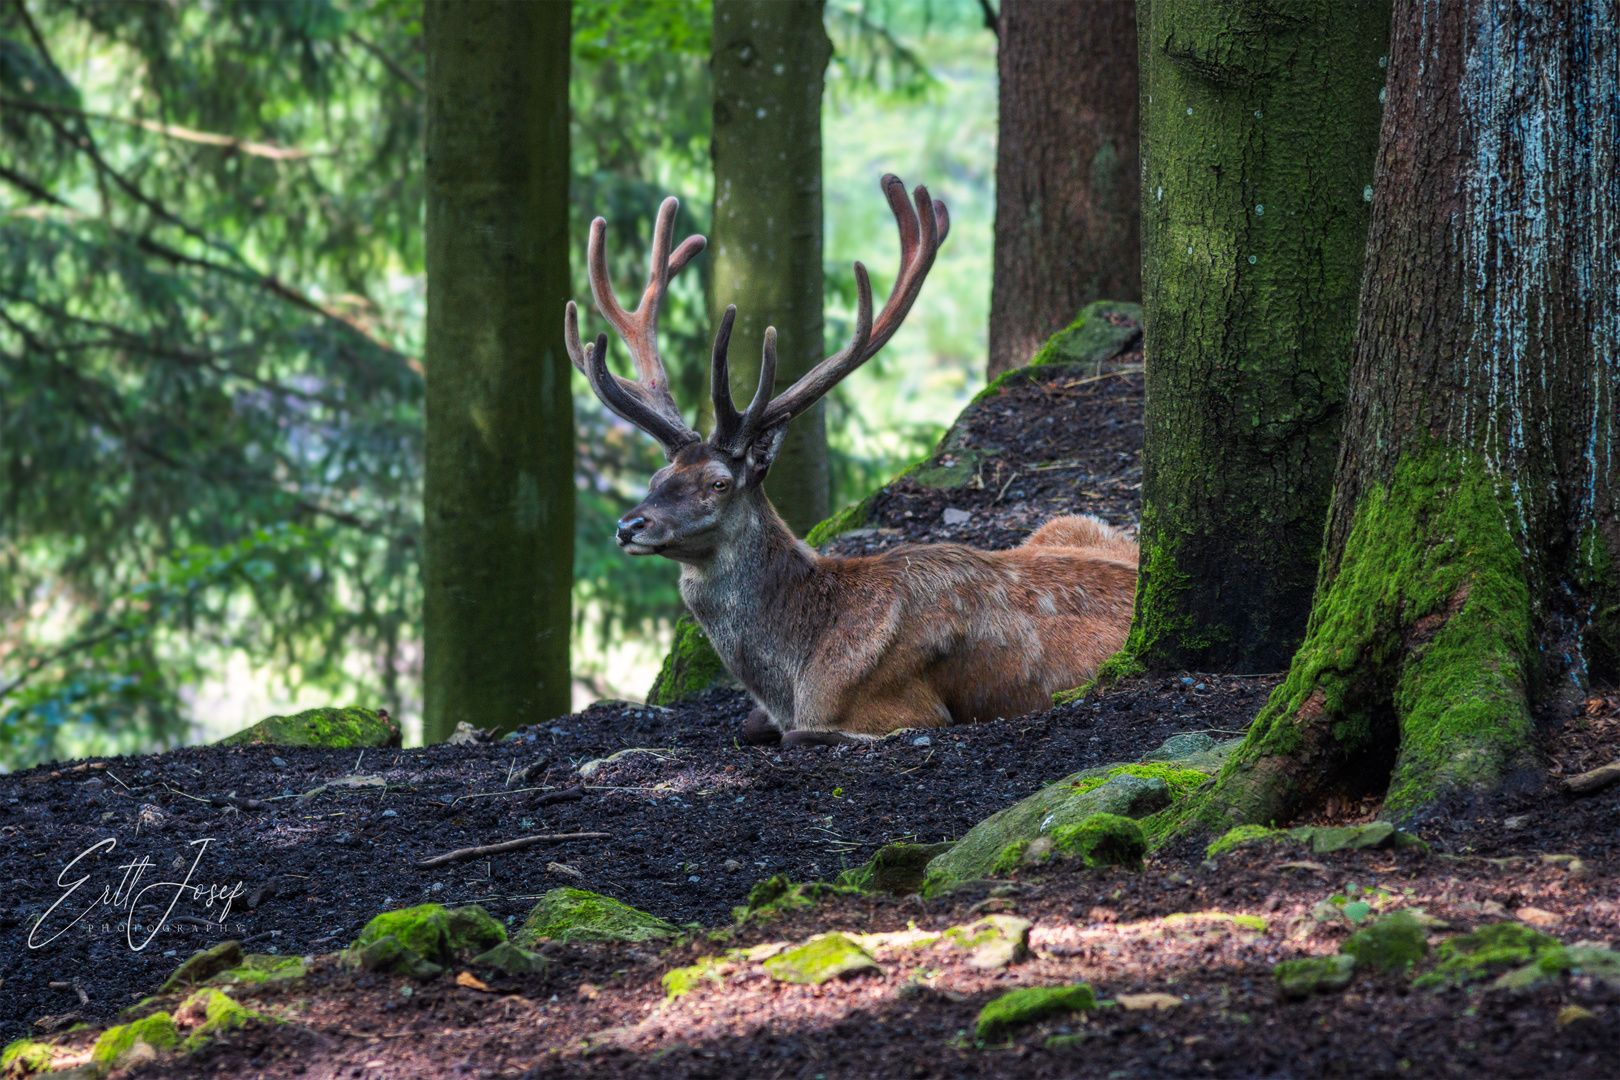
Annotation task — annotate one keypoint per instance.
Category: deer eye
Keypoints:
(720, 485)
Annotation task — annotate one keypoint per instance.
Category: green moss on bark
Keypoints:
(692, 667)
(1424, 633)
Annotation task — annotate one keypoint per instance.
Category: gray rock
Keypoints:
(1177, 747)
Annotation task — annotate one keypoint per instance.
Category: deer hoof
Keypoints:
(759, 730)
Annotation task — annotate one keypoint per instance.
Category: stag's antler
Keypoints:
(647, 402)
(921, 232)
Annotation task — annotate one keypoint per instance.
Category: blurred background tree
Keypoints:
(211, 304)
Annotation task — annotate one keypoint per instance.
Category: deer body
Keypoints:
(841, 649)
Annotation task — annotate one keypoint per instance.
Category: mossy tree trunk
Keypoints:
(769, 62)
(1259, 130)
(499, 490)
(1468, 567)
(1068, 209)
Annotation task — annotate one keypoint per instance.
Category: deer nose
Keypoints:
(629, 526)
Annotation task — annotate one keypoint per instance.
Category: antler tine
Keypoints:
(647, 402)
(752, 423)
(726, 420)
(921, 232)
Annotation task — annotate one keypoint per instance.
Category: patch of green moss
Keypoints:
(1011, 857)
(681, 981)
(1314, 975)
(1065, 697)
(511, 959)
(1103, 840)
(328, 727)
(938, 472)
(578, 915)
(1236, 838)
(1092, 338)
(1393, 943)
(259, 968)
(434, 933)
(691, 667)
(1427, 619)
(1182, 782)
(26, 1056)
(828, 956)
(157, 1031)
(1030, 1005)
(1486, 952)
(220, 1013)
(1600, 964)
(897, 868)
(850, 517)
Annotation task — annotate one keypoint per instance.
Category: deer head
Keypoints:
(710, 491)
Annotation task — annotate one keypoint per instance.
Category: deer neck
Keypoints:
(747, 595)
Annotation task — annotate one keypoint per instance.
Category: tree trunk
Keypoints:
(1468, 567)
(770, 57)
(1068, 206)
(1259, 132)
(499, 489)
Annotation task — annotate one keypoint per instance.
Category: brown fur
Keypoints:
(918, 636)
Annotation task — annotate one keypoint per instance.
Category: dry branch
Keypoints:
(463, 854)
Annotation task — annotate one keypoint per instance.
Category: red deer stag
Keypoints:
(845, 649)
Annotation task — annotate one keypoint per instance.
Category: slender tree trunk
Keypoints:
(1259, 131)
(499, 489)
(1468, 569)
(770, 58)
(1068, 209)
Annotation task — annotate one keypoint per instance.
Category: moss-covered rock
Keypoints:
(1602, 964)
(1314, 975)
(898, 869)
(26, 1056)
(1101, 332)
(850, 517)
(774, 895)
(1031, 1005)
(1321, 839)
(157, 1031)
(995, 941)
(578, 915)
(511, 959)
(211, 1011)
(204, 965)
(1488, 951)
(1392, 943)
(691, 667)
(1103, 840)
(420, 941)
(824, 957)
(261, 967)
(329, 727)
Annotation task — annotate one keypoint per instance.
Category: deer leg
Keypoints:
(760, 730)
(821, 738)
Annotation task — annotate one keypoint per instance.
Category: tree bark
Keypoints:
(1259, 132)
(770, 59)
(499, 491)
(1468, 568)
(1068, 204)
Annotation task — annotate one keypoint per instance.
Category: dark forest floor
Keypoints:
(696, 818)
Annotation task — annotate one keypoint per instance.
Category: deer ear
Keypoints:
(761, 454)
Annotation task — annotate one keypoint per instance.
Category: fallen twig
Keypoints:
(573, 794)
(463, 854)
(1595, 780)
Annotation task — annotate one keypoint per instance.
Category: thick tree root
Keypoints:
(1415, 664)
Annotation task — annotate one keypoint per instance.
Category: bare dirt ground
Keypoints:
(694, 819)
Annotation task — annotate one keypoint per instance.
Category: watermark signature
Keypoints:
(129, 892)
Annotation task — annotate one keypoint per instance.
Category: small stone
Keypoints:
(1316, 975)
(922, 740)
(464, 735)
(731, 866)
(1537, 917)
(278, 763)
(953, 516)
(828, 956)
(1517, 821)
(1573, 1015)
(1140, 1002)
